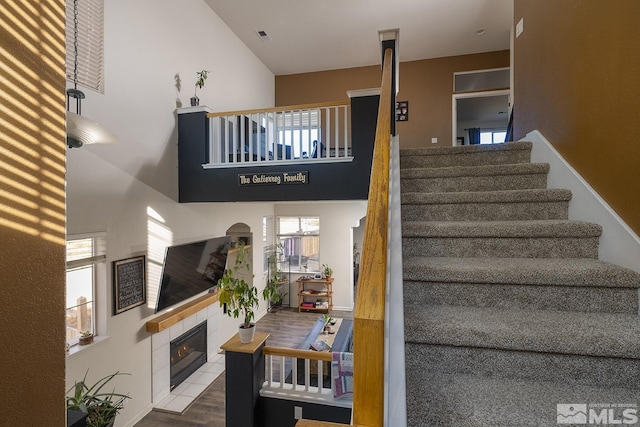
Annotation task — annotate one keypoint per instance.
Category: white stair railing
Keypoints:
(299, 134)
(290, 373)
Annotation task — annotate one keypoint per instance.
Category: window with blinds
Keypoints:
(89, 66)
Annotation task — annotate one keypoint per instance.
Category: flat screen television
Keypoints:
(191, 269)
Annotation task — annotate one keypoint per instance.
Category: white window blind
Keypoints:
(90, 35)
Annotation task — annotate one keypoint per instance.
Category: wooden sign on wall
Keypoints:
(129, 284)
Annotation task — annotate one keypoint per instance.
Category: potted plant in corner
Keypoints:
(273, 291)
(101, 407)
(240, 296)
(327, 271)
(201, 77)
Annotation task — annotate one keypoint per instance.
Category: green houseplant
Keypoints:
(272, 291)
(327, 271)
(201, 76)
(240, 296)
(101, 407)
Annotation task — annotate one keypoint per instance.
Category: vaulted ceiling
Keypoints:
(314, 35)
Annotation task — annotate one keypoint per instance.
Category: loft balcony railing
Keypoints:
(307, 133)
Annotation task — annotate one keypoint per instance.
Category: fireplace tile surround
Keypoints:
(179, 399)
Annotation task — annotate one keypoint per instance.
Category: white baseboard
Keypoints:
(619, 244)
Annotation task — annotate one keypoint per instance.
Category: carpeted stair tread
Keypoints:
(593, 334)
(525, 271)
(474, 171)
(524, 365)
(502, 229)
(445, 400)
(466, 149)
(505, 196)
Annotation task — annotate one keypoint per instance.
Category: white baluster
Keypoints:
(307, 376)
(281, 371)
(320, 375)
(269, 361)
(294, 372)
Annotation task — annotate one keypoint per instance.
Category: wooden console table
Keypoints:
(307, 292)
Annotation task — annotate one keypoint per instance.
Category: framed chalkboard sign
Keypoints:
(129, 284)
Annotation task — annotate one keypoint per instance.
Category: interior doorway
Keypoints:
(486, 111)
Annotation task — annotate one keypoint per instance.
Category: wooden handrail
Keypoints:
(368, 352)
(368, 333)
(299, 353)
(280, 109)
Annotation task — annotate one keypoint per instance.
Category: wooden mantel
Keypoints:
(170, 318)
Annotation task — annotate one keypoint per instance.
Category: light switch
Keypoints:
(297, 412)
(434, 140)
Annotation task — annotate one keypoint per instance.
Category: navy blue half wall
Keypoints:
(324, 181)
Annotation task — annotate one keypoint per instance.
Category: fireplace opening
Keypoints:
(187, 353)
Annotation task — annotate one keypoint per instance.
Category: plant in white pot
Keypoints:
(240, 296)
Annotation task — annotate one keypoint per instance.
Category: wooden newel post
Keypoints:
(244, 376)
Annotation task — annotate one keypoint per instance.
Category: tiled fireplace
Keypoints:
(179, 398)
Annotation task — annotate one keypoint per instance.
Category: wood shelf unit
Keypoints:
(304, 291)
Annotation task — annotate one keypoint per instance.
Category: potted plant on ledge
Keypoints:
(101, 407)
(201, 77)
(240, 296)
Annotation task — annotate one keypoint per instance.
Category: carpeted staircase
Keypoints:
(508, 311)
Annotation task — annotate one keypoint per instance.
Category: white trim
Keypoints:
(197, 109)
(454, 104)
(375, 91)
(619, 244)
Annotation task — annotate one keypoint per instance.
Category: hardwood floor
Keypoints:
(287, 327)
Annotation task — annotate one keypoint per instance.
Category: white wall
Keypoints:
(129, 189)
(148, 42)
(336, 243)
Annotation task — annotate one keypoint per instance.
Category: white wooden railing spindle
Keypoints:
(243, 138)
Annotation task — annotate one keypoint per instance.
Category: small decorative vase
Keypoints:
(195, 101)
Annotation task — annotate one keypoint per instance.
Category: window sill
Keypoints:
(77, 348)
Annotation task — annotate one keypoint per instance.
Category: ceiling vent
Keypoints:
(263, 35)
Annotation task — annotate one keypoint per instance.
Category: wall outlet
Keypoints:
(434, 140)
(297, 412)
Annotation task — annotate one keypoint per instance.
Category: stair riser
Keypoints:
(473, 183)
(466, 159)
(547, 367)
(559, 298)
(518, 247)
(486, 211)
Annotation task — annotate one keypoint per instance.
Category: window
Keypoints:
(299, 237)
(298, 130)
(86, 260)
(493, 137)
(90, 62)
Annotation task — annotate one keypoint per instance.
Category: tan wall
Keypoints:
(426, 84)
(576, 71)
(32, 214)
